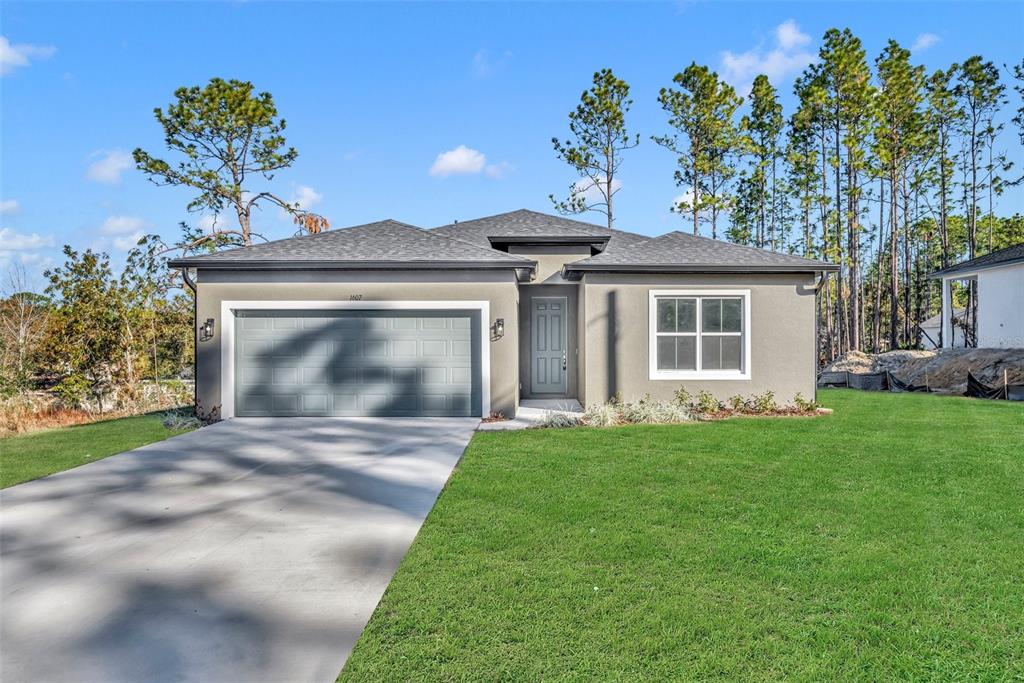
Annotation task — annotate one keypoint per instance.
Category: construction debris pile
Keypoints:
(943, 371)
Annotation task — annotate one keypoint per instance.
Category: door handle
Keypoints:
(564, 366)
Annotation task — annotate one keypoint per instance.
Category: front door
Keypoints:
(549, 359)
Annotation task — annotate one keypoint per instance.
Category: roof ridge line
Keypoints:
(430, 231)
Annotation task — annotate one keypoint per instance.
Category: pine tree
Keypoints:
(705, 139)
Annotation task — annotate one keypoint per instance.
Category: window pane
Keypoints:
(711, 353)
(732, 314)
(677, 353)
(687, 316)
(731, 353)
(666, 315)
(686, 352)
(666, 353)
(711, 315)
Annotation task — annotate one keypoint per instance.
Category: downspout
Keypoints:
(195, 339)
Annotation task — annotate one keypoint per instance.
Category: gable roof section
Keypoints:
(993, 259)
(382, 245)
(522, 225)
(679, 252)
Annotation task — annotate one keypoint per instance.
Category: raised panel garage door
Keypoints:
(359, 362)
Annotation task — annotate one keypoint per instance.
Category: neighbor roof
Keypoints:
(679, 252)
(384, 244)
(993, 259)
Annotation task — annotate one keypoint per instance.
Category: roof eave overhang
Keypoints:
(960, 270)
(577, 270)
(217, 264)
(549, 239)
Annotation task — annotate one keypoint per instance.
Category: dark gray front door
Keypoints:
(548, 352)
(361, 362)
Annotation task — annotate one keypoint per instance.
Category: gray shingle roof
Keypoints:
(1001, 257)
(526, 223)
(682, 252)
(386, 243)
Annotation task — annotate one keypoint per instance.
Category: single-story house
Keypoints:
(472, 317)
(932, 331)
(999, 278)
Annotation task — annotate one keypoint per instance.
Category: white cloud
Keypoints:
(924, 41)
(459, 161)
(589, 190)
(16, 56)
(207, 222)
(109, 167)
(9, 206)
(12, 240)
(789, 36)
(126, 231)
(483, 66)
(686, 197)
(498, 170)
(122, 225)
(306, 197)
(128, 242)
(785, 58)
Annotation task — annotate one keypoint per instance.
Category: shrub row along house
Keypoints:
(472, 317)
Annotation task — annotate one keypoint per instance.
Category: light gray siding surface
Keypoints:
(357, 363)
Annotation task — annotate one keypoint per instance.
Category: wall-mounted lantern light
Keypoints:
(498, 329)
(206, 330)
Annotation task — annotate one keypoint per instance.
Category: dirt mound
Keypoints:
(944, 370)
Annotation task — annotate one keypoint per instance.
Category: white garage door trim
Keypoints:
(227, 331)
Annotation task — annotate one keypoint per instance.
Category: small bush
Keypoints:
(647, 411)
(683, 397)
(763, 403)
(804, 405)
(707, 403)
(181, 420)
(558, 420)
(602, 415)
(72, 391)
(737, 403)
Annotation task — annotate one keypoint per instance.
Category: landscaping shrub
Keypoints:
(558, 420)
(763, 403)
(708, 404)
(602, 415)
(804, 405)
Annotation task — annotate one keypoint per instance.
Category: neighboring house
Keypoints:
(1000, 312)
(470, 318)
(932, 327)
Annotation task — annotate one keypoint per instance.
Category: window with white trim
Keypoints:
(699, 335)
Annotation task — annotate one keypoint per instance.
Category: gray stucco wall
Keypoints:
(616, 355)
(499, 288)
(551, 258)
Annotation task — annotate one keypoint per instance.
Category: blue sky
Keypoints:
(374, 93)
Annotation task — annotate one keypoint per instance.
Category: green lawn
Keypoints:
(30, 456)
(885, 541)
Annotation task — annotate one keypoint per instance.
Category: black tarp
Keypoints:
(1006, 392)
(896, 384)
(886, 381)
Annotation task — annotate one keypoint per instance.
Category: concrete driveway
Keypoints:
(250, 550)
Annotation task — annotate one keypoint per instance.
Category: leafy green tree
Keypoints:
(701, 112)
(225, 136)
(599, 137)
(86, 342)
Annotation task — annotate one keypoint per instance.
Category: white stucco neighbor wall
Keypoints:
(1001, 307)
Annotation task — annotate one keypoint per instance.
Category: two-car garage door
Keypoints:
(357, 362)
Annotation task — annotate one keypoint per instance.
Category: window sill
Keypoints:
(676, 375)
